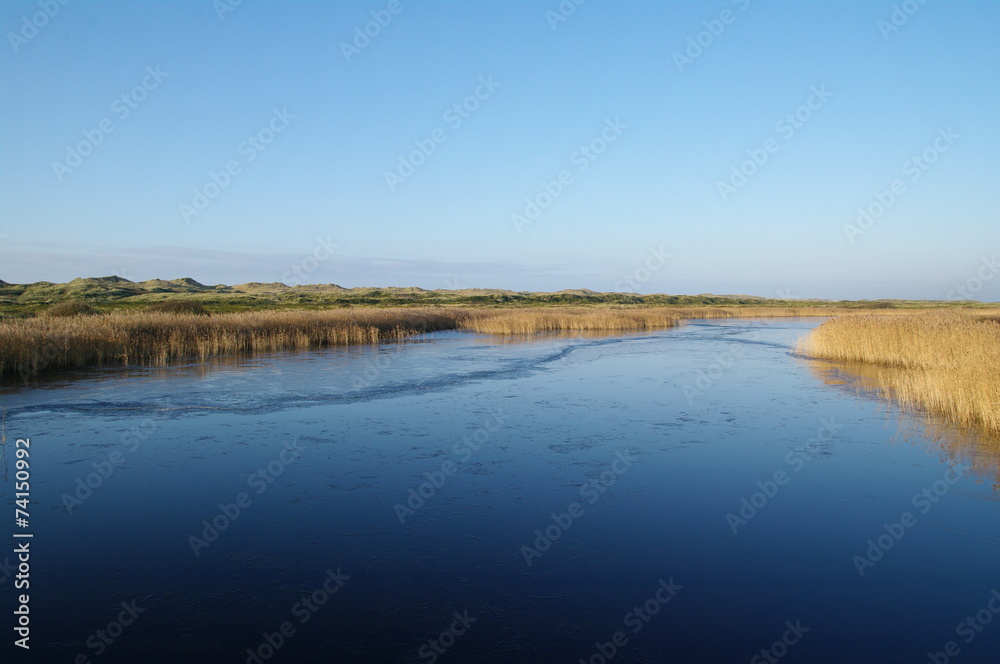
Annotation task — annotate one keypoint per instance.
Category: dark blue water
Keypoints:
(692, 495)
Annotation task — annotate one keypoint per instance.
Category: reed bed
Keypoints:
(942, 362)
(531, 321)
(29, 346)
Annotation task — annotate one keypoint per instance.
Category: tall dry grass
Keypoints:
(530, 321)
(31, 345)
(943, 362)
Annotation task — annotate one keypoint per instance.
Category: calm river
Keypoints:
(693, 495)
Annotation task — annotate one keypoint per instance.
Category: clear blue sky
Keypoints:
(654, 188)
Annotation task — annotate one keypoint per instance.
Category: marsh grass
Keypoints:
(32, 345)
(945, 362)
(29, 346)
(532, 321)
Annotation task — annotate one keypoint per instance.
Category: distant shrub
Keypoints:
(884, 305)
(61, 309)
(179, 307)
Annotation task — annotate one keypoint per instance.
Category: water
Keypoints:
(643, 446)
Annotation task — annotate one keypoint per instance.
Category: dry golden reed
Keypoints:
(530, 321)
(29, 346)
(943, 362)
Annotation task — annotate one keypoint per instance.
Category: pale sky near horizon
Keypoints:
(679, 147)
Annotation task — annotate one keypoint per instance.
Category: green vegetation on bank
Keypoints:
(115, 294)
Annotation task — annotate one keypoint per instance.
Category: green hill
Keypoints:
(116, 293)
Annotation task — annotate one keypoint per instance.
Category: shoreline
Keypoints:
(49, 344)
(938, 362)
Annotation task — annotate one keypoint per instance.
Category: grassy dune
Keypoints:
(943, 362)
(29, 346)
(111, 294)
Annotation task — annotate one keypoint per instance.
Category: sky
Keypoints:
(799, 148)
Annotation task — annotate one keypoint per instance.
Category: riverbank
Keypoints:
(942, 362)
(30, 346)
